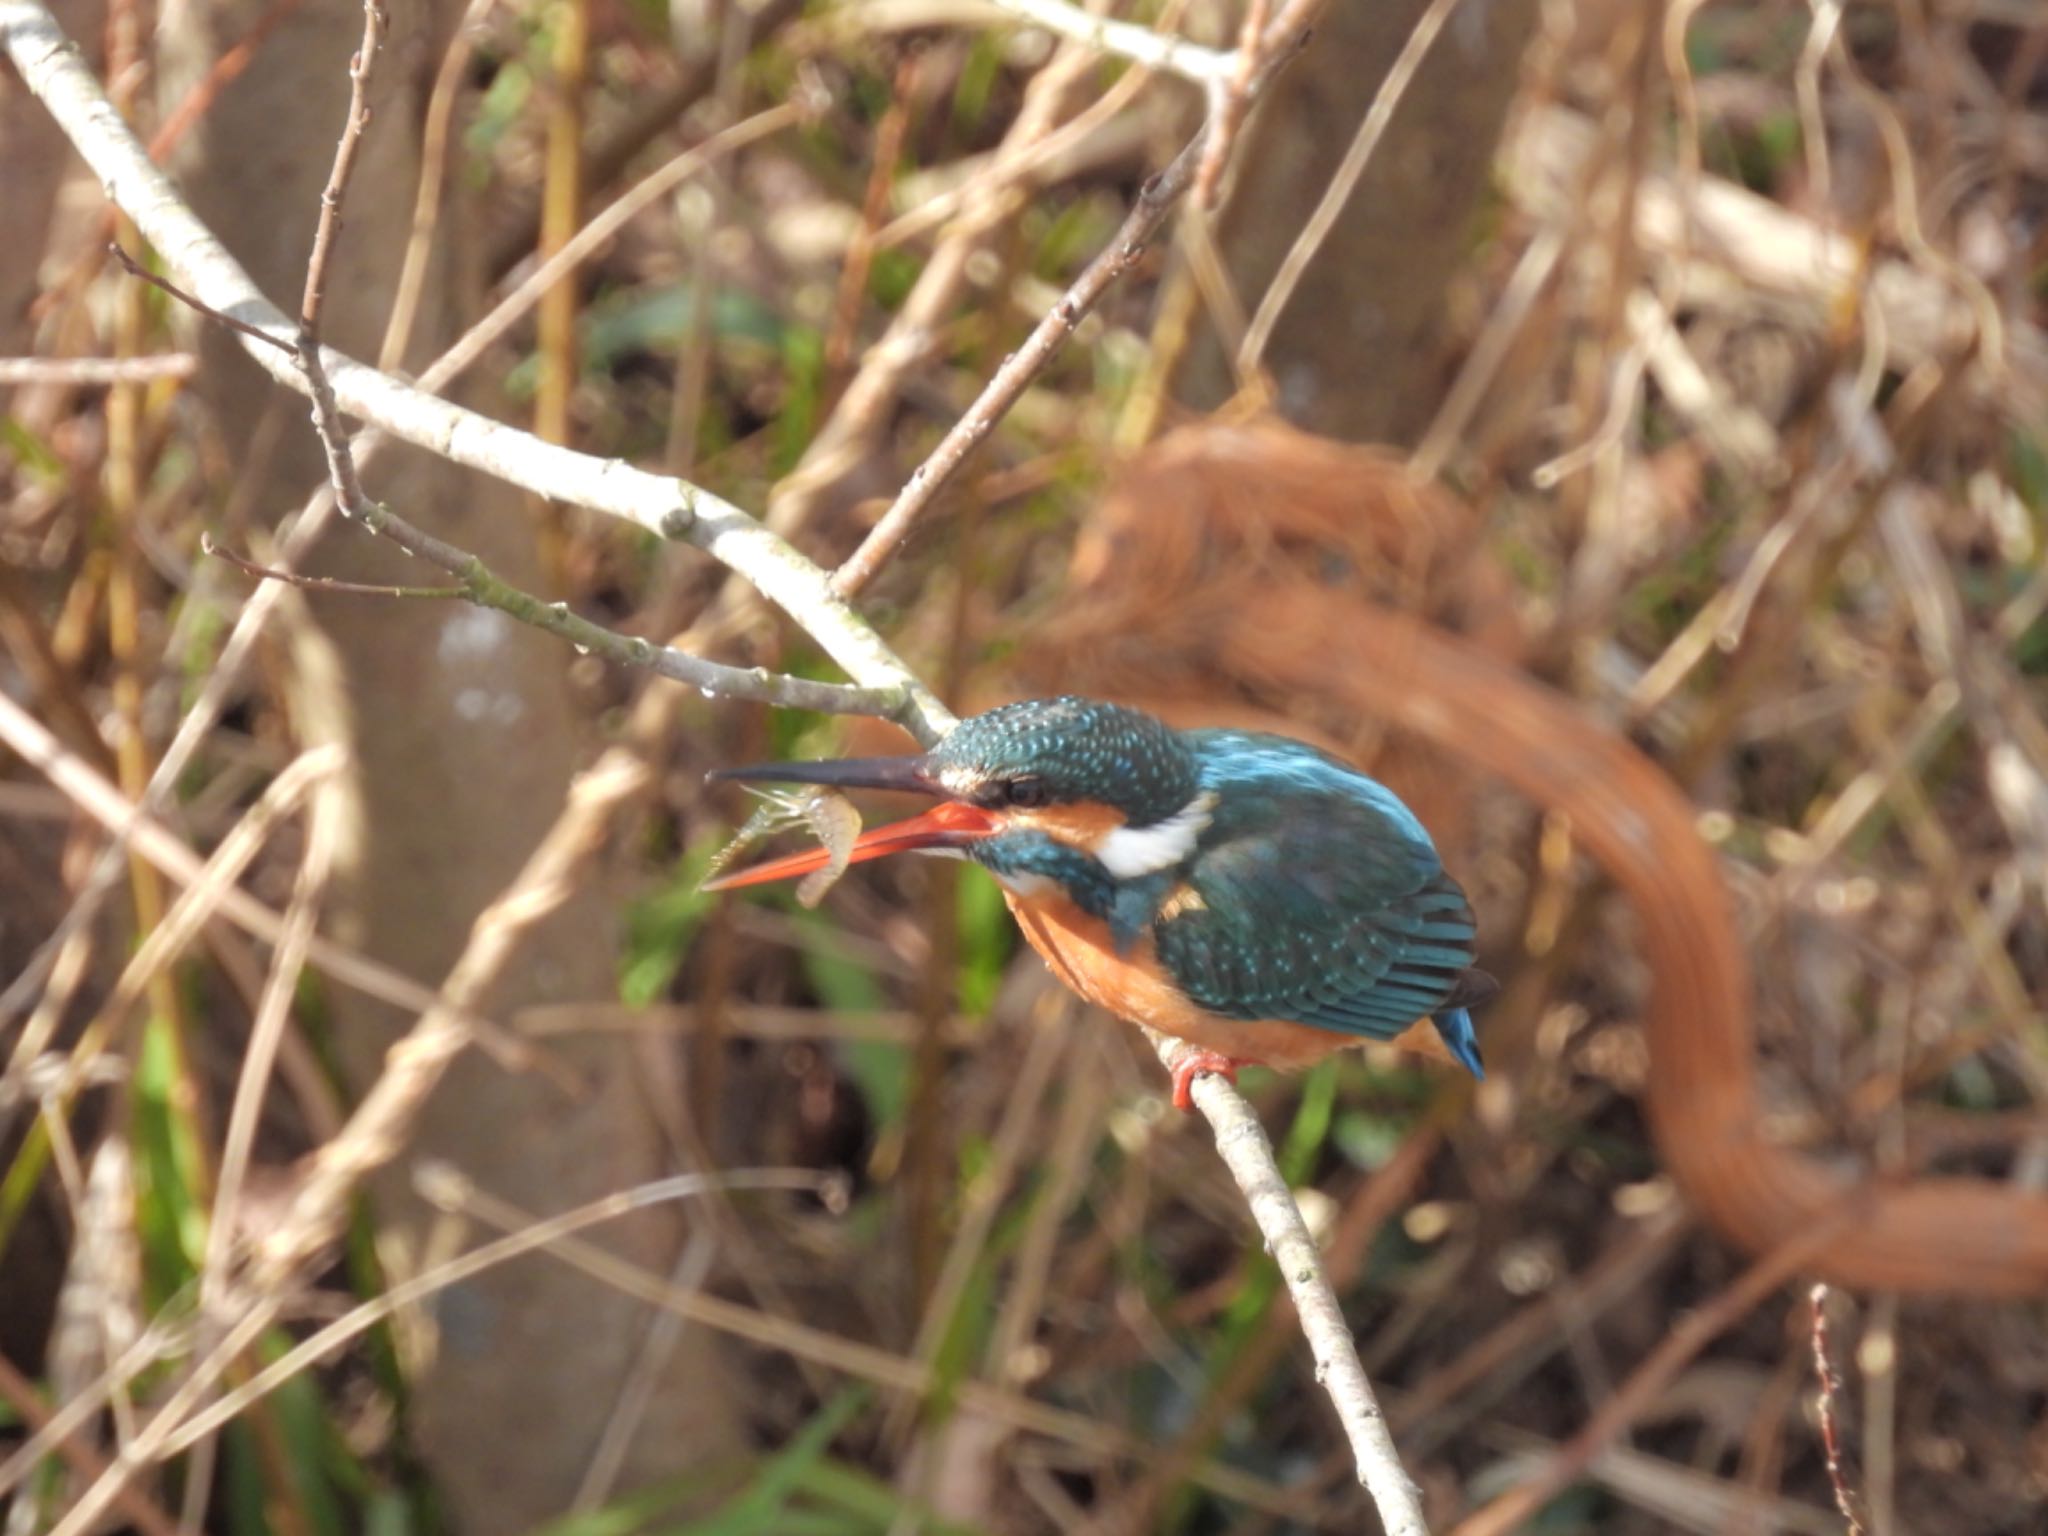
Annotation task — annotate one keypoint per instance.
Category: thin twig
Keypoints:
(1242, 1144)
(426, 204)
(1830, 1388)
(1155, 200)
(848, 433)
(1234, 100)
(360, 69)
(341, 462)
(486, 589)
(1341, 186)
(135, 268)
(247, 567)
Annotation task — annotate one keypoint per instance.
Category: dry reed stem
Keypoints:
(426, 205)
(441, 1181)
(21, 1395)
(866, 1362)
(1656, 1371)
(378, 1129)
(661, 504)
(16, 371)
(97, 797)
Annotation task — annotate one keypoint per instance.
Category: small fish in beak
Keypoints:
(947, 827)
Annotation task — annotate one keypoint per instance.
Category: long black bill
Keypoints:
(912, 774)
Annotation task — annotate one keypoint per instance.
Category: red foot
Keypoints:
(1191, 1062)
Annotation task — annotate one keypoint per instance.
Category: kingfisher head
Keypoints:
(1095, 778)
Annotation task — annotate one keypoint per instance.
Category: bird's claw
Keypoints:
(1190, 1063)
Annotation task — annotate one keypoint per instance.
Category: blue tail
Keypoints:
(1455, 1025)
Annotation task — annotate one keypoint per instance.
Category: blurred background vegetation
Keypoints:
(1686, 356)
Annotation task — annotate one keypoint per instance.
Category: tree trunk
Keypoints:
(464, 739)
(1358, 352)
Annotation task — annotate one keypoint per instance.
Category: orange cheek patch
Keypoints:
(1078, 826)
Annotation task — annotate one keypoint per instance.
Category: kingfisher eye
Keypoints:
(1025, 793)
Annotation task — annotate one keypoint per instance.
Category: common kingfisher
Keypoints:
(1247, 894)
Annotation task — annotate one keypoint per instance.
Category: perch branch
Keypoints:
(1241, 1142)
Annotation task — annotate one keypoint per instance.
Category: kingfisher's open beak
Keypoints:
(950, 824)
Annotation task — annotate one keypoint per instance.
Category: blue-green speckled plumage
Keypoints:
(1319, 898)
(1082, 749)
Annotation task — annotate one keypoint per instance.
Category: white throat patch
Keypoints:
(1129, 852)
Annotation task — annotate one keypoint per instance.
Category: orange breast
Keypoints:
(1136, 987)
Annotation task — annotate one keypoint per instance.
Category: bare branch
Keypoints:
(1830, 1389)
(136, 269)
(1155, 201)
(97, 370)
(331, 584)
(1242, 1144)
(1226, 116)
(486, 589)
(331, 199)
(1141, 45)
(661, 504)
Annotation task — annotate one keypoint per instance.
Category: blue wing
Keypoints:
(1317, 898)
